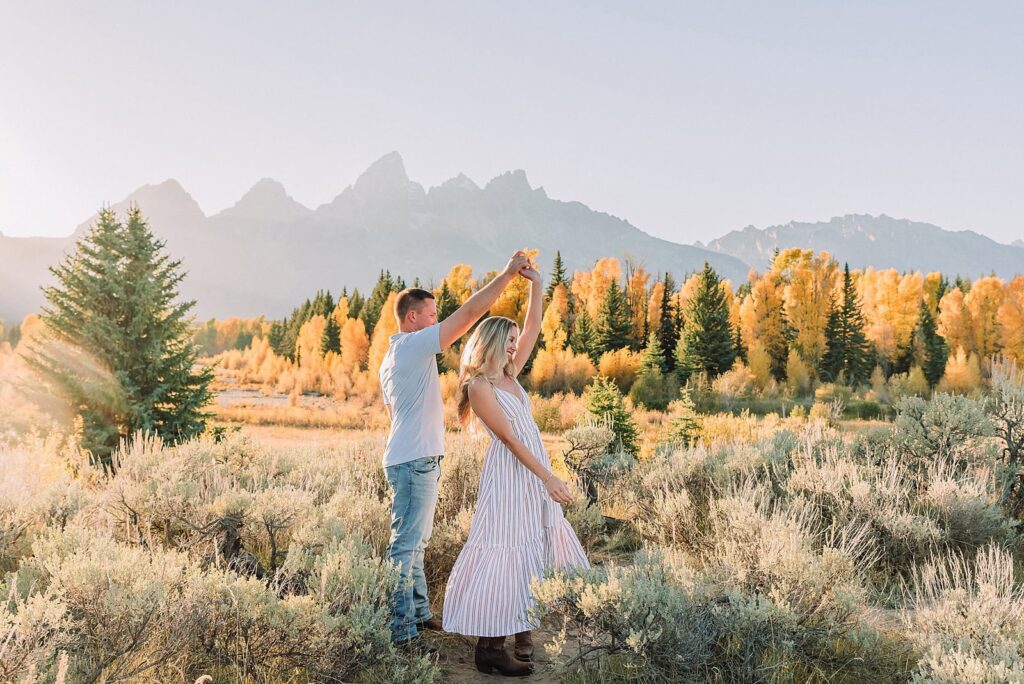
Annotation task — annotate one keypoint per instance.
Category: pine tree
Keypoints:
(355, 304)
(932, 347)
(276, 337)
(668, 325)
(446, 302)
(848, 354)
(584, 337)
(613, 320)
(330, 341)
(557, 277)
(653, 358)
(604, 401)
(706, 342)
(371, 309)
(115, 302)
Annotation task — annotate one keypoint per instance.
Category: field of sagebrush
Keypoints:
(779, 550)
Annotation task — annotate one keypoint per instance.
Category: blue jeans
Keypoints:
(414, 490)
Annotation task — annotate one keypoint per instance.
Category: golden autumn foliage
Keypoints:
(1011, 320)
(983, 303)
(355, 345)
(963, 373)
(386, 326)
(763, 323)
(512, 301)
(589, 287)
(560, 371)
(307, 344)
(891, 304)
(555, 322)
(955, 320)
(654, 305)
(621, 365)
(460, 282)
(636, 299)
(810, 281)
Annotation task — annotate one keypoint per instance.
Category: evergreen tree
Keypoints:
(322, 304)
(276, 337)
(370, 310)
(848, 356)
(330, 341)
(931, 346)
(706, 342)
(557, 276)
(584, 337)
(115, 301)
(668, 325)
(355, 304)
(653, 357)
(446, 302)
(613, 320)
(604, 401)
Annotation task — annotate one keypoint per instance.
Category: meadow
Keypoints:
(805, 548)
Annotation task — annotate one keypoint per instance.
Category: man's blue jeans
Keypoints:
(414, 490)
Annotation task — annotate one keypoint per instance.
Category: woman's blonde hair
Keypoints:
(485, 349)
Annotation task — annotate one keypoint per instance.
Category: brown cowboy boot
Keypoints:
(491, 656)
(524, 645)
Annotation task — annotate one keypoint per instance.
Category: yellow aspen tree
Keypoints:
(553, 325)
(340, 312)
(307, 343)
(763, 322)
(685, 294)
(810, 284)
(621, 365)
(932, 285)
(386, 326)
(955, 321)
(983, 302)
(460, 282)
(963, 373)
(1011, 320)
(355, 345)
(636, 298)
(590, 286)
(654, 305)
(891, 304)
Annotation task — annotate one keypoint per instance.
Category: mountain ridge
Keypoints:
(244, 263)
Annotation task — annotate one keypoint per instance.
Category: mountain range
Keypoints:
(268, 252)
(879, 241)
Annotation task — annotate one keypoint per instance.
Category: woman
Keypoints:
(518, 528)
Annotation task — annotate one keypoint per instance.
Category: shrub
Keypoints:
(654, 390)
(945, 427)
(967, 618)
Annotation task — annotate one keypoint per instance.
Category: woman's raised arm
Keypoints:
(531, 326)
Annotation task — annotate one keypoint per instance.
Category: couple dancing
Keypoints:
(518, 528)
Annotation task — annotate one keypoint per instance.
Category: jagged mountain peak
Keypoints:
(266, 200)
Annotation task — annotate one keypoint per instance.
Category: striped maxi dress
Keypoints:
(517, 532)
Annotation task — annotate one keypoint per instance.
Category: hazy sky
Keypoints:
(689, 120)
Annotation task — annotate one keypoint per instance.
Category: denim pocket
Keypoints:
(425, 466)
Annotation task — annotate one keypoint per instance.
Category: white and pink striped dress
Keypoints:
(517, 532)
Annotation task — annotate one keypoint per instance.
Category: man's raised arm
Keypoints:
(459, 323)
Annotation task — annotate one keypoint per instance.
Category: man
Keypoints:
(412, 458)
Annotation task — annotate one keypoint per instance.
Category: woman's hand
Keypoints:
(557, 490)
(530, 274)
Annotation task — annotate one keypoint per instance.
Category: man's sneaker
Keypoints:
(416, 646)
(433, 624)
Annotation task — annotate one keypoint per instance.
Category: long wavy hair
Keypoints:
(484, 350)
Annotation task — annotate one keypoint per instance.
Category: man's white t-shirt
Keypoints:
(409, 384)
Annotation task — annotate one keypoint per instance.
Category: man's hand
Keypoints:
(517, 263)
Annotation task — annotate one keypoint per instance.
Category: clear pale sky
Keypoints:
(687, 120)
